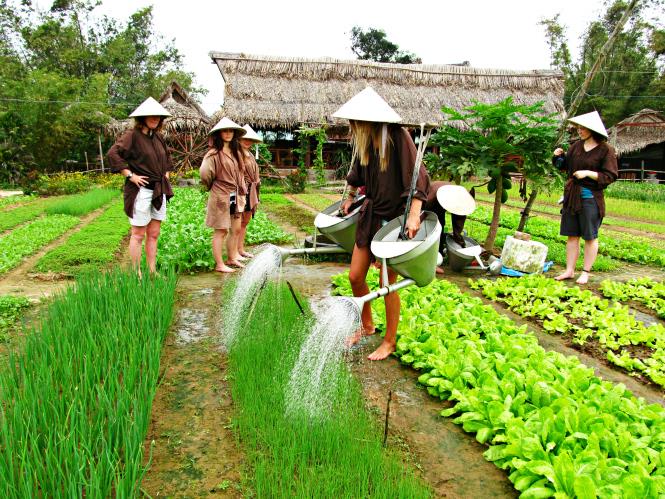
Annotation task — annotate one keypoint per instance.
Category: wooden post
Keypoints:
(101, 153)
(87, 167)
(642, 171)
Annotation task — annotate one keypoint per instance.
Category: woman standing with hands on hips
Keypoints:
(221, 171)
(383, 160)
(591, 165)
(252, 181)
(141, 155)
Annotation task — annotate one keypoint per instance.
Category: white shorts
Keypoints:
(144, 211)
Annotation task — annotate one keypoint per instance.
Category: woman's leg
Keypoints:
(360, 261)
(232, 242)
(152, 234)
(246, 218)
(392, 320)
(590, 254)
(136, 246)
(572, 253)
(217, 244)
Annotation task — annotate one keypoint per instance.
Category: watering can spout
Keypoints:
(281, 254)
(356, 303)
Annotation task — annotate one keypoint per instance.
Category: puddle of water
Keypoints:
(191, 326)
(315, 381)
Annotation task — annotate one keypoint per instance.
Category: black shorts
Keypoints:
(247, 206)
(233, 207)
(584, 224)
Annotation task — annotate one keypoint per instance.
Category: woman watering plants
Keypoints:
(221, 171)
(383, 161)
(142, 157)
(253, 181)
(591, 165)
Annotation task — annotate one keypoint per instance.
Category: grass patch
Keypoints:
(15, 200)
(316, 201)
(77, 396)
(26, 240)
(637, 191)
(341, 456)
(90, 248)
(83, 203)
(289, 212)
(11, 310)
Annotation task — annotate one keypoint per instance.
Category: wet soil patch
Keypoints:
(193, 450)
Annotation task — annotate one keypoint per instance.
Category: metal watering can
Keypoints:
(414, 259)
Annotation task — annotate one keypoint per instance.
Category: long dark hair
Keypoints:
(217, 142)
(598, 137)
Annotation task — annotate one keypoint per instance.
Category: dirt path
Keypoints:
(22, 280)
(194, 451)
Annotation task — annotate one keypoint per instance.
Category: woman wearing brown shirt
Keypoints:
(383, 160)
(253, 181)
(222, 169)
(591, 165)
(142, 157)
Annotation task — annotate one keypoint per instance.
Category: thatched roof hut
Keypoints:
(282, 93)
(638, 131)
(185, 131)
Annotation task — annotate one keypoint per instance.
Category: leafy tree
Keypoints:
(373, 45)
(65, 72)
(496, 140)
(630, 71)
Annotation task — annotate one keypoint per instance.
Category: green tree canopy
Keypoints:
(633, 74)
(66, 72)
(373, 45)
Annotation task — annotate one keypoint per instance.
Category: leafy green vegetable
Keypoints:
(11, 309)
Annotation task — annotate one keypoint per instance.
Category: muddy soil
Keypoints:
(193, 451)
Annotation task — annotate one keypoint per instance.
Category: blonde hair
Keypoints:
(368, 137)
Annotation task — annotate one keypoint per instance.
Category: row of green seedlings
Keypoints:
(609, 222)
(73, 205)
(184, 242)
(292, 455)
(556, 428)
(643, 290)
(11, 310)
(91, 248)
(648, 211)
(635, 249)
(76, 395)
(289, 212)
(12, 201)
(586, 317)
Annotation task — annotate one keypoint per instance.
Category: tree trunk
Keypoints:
(581, 93)
(494, 226)
(527, 209)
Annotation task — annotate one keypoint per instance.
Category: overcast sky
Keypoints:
(487, 33)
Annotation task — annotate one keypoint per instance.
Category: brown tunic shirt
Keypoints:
(252, 179)
(145, 155)
(386, 192)
(601, 159)
(227, 178)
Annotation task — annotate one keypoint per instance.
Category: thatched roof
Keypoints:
(280, 92)
(187, 114)
(638, 131)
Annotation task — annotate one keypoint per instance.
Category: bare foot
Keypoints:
(357, 336)
(564, 276)
(439, 270)
(246, 254)
(583, 278)
(383, 352)
(235, 263)
(224, 269)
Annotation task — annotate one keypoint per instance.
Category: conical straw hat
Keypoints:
(455, 199)
(368, 106)
(227, 124)
(149, 107)
(251, 134)
(591, 121)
